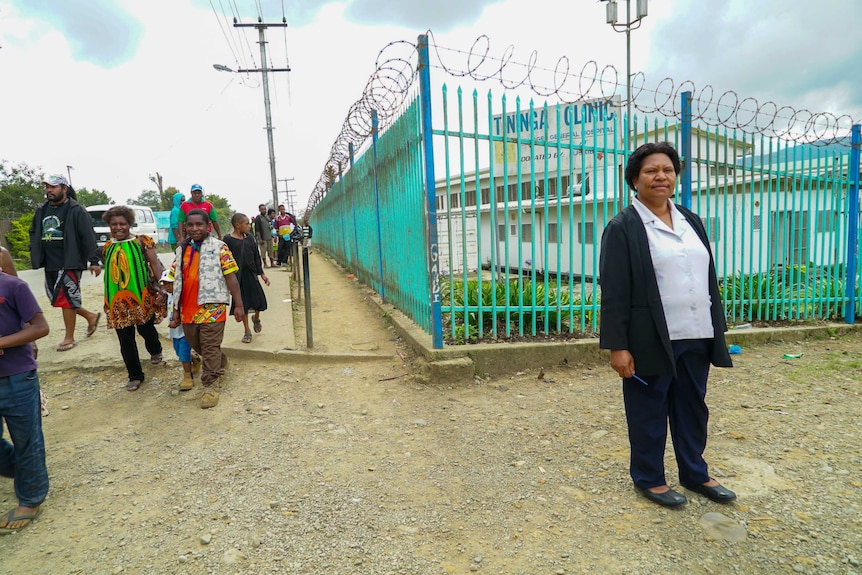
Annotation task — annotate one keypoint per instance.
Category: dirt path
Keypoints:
(358, 468)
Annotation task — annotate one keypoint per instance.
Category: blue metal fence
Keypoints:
(486, 222)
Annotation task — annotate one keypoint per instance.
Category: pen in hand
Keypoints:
(639, 379)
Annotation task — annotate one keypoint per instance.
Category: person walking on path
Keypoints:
(63, 242)
(198, 202)
(263, 235)
(663, 320)
(174, 232)
(247, 256)
(22, 323)
(204, 276)
(131, 268)
(284, 224)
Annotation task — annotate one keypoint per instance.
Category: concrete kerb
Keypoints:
(455, 364)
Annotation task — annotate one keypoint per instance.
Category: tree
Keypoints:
(93, 197)
(21, 189)
(168, 199)
(223, 211)
(149, 198)
(19, 238)
(330, 175)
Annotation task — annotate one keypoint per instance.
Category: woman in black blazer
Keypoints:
(662, 319)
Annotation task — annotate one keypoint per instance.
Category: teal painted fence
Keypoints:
(523, 190)
(372, 220)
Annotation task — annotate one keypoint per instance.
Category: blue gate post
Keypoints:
(375, 126)
(686, 149)
(424, 69)
(852, 225)
(353, 203)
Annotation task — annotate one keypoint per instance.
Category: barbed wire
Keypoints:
(396, 71)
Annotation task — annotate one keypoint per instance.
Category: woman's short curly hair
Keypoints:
(636, 160)
(122, 211)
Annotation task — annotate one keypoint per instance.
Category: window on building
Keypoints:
(526, 191)
(755, 222)
(513, 229)
(713, 228)
(455, 200)
(585, 233)
(720, 170)
(526, 232)
(486, 196)
(470, 198)
(827, 221)
(564, 185)
(552, 233)
(501, 232)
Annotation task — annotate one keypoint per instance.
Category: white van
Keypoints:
(145, 222)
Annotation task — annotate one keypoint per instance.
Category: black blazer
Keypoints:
(632, 317)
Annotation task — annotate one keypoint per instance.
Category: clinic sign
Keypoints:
(581, 124)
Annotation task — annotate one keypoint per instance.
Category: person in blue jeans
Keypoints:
(21, 323)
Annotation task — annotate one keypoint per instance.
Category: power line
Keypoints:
(238, 18)
(225, 34)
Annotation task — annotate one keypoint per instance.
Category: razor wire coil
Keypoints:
(396, 71)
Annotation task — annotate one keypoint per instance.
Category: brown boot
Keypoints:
(188, 381)
(211, 394)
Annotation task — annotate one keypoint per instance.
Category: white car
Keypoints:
(145, 222)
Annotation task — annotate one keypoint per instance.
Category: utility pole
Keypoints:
(261, 27)
(287, 193)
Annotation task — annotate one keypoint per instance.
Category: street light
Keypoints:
(627, 27)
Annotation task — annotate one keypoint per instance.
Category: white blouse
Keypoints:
(681, 264)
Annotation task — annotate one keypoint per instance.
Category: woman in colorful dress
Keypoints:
(244, 249)
(130, 262)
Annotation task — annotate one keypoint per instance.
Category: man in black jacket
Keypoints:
(62, 241)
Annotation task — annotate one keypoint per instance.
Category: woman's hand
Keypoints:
(265, 279)
(622, 362)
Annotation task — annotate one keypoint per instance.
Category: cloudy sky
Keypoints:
(122, 89)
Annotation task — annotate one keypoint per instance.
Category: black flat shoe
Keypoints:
(716, 493)
(669, 498)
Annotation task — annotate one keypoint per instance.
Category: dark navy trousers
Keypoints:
(679, 400)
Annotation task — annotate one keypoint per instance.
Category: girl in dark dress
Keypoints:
(244, 249)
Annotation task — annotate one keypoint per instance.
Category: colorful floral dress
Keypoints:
(128, 298)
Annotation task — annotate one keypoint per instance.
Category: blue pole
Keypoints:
(424, 69)
(686, 150)
(353, 203)
(852, 225)
(375, 126)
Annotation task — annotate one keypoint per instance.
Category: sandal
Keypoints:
(133, 385)
(91, 328)
(156, 359)
(257, 326)
(246, 338)
(66, 346)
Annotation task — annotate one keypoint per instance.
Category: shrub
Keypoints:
(19, 239)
